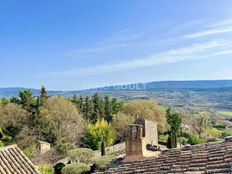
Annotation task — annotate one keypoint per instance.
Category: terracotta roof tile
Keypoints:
(13, 161)
(210, 158)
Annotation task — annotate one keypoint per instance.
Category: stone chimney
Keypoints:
(135, 144)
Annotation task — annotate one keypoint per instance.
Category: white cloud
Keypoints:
(121, 39)
(212, 28)
(195, 51)
(210, 32)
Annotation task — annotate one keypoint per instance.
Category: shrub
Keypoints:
(76, 168)
(64, 148)
(182, 140)
(46, 169)
(99, 135)
(214, 133)
(226, 133)
(104, 160)
(81, 155)
(58, 167)
(193, 140)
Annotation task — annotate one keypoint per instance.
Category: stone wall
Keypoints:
(113, 149)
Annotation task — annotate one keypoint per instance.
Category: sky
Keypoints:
(79, 44)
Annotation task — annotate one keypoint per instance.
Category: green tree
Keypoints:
(88, 109)
(99, 135)
(27, 100)
(60, 121)
(120, 124)
(13, 118)
(174, 121)
(116, 106)
(43, 96)
(98, 108)
(108, 108)
(201, 123)
(148, 109)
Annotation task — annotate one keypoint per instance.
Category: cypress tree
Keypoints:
(43, 96)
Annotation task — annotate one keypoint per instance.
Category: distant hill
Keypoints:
(199, 84)
(150, 86)
(191, 95)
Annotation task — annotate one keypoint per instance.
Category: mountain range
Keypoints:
(195, 95)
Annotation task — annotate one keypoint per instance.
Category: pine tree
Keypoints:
(88, 108)
(98, 108)
(43, 96)
(108, 108)
(80, 104)
(116, 106)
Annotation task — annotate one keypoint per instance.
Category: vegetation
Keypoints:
(148, 109)
(174, 120)
(99, 121)
(99, 135)
(76, 168)
(46, 169)
(81, 155)
(104, 160)
(59, 121)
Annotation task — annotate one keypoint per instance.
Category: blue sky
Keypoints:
(77, 44)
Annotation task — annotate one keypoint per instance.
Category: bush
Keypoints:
(81, 155)
(58, 167)
(226, 133)
(46, 169)
(64, 148)
(220, 126)
(182, 140)
(193, 140)
(104, 160)
(76, 168)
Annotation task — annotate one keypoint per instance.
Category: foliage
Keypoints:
(182, 140)
(174, 121)
(104, 160)
(172, 141)
(64, 148)
(226, 133)
(214, 133)
(81, 155)
(120, 124)
(27, 100)
(58, 167)
(99, 135)
(46, 169)
(193, 140)
(220, 126)
(26, 135)
(148, 109)
(60, 121)
(95, 108)
(43, 96)
(201, 123)
(12, 115)
(75, 168)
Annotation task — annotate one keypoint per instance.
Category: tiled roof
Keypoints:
(13, 161)
(208, 158)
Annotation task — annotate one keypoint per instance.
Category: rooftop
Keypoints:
(197, 159)
(13, 161)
